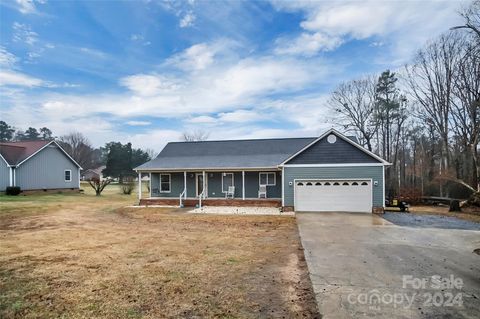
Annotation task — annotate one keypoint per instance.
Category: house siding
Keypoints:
(340, 152)
(214, 181)
(45, 170)
(4, 175)
(368, 172)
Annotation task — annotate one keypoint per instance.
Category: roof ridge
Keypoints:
(248, 139)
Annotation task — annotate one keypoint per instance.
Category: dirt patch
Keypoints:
(92, 258)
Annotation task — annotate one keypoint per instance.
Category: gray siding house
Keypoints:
(37, 165)
(331, 172)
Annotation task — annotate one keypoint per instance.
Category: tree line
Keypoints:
(425, 117)
(119, 159)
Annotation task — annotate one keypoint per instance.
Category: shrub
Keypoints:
(127, 188)
(13, 190)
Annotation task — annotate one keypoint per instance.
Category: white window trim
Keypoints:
(169, 183)
(274, 179)
(233, 181)
(64, 177)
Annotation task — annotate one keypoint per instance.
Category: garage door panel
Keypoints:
(338, 195)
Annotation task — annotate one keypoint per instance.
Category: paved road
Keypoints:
(357, 263)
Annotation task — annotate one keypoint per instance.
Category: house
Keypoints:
(37, 165)
(93, 173)
(328, 173)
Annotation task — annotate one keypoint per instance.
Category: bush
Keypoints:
(127, 188)
(13, 190)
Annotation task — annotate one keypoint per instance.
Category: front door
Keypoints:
(199, 184)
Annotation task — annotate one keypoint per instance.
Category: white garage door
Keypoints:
(333, 195)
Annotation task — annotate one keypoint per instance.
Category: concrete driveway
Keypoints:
(362, 265)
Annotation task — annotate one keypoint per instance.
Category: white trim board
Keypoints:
(8, 165)
(343, 137)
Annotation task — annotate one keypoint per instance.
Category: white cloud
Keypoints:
(139, 39)
(404, 25)
(7, 59)
(242, 116)
(196, 57)
(203, 119)
(26, 6)
(148, 84)
(139, 123)
(307, 44)
(24, 34)
(187, 20)
(13, 78)
(94, 52)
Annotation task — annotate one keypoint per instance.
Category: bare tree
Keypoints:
(193, 136)
(472, 18)
(99, 185)
(466, 104)
(431, 83)
(354, 102)
(79, 148)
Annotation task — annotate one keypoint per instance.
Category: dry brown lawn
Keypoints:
(79, 256)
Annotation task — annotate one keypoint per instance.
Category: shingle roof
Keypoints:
(257, 153)
(15, 152)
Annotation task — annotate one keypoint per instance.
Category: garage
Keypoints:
(321, 195)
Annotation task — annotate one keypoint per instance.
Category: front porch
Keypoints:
(261, 188)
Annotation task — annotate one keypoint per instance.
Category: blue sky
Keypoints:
(146, 71)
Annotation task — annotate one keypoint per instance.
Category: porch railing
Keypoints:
(182, 196)
(200, 199)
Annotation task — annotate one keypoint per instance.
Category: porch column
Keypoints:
(10, 176)
(185, 183)
(204, 183)
(243, 185)
(150, 183)
(283, 186)
(139, 185)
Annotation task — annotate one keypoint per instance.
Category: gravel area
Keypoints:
(430, 221)
(230, 210)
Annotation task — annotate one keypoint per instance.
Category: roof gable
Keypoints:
(342, 151)
(16, 153)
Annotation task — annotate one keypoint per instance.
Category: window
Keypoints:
(227, 180)
(164, 183)
(267, 179)
(68, 175)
